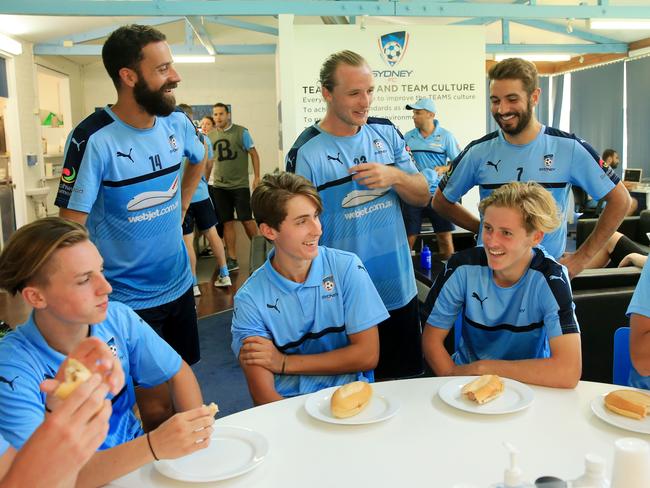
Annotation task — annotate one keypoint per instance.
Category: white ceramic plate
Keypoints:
(598, 407)
(516, 396)
(380, 408)
(233, 451)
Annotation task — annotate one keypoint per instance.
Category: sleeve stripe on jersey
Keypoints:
(457, 161)
(308, 134)
(557, 283)
(494, 186)
(76, 150)
(508, 327)
(383, 121)
(138, 179)
(311, 335)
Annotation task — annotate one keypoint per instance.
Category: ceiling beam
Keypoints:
(265, 29)
(556, 48)
(196, 23)
(423, 8)
(96, 49)
(562, 29)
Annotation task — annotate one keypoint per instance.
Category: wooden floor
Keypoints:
(13, 310)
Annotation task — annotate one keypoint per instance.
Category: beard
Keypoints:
(155, 102)
(524, 120)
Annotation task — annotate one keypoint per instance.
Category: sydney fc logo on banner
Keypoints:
(393, 46)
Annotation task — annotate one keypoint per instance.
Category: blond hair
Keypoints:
(270, 198)
(538, 208)
(516, 69)
(332, 62)
(28, 251)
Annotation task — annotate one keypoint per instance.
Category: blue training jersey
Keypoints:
(366, 222)
(556, 160)
(336, 300)
(4, 445)
(640, 305)
(202, 193)
(26, 360)
(502, 323)
(127, 180)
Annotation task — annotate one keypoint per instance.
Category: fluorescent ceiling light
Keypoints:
(193, 58)
(619, 24)
(534, 57)
(9, 45)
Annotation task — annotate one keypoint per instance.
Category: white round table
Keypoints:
(426, 444)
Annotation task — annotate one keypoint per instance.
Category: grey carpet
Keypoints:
(222, 380)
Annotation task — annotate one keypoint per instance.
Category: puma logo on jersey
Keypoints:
(123, 155)
(10, 383)
(337, 158)
(495, 165)
(269, 305)
(558, 277)
(78, 144)
(481, 300)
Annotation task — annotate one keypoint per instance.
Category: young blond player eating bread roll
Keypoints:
(58, 271)
(514, 299)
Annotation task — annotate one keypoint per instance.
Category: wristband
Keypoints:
(151, 448)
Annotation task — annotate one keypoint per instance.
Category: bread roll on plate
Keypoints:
(350, 399)
(483, 389)
(630, 403)
(74, 374)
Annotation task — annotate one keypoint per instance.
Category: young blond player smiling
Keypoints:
(514, 299)
(58, 272)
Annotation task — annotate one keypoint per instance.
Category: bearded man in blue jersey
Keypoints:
(121, 178)
(514, 300)
(525, 150)
(362, 170)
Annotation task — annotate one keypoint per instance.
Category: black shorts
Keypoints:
(413, 219)
(176, 323)
(202, 213)
(226, 200)
(400, 344)
(623, 247)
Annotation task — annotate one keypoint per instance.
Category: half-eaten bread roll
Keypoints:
(484, 388)
(350, 399)
(630, 403)
(74, 373)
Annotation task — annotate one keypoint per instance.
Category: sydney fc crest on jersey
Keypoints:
(328, 283)
(172, 143)
(393, 47)
(548, 163)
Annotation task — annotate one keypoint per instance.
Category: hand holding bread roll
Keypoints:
(350, 399)
(484, 388)
(629, 403)
(75, 373)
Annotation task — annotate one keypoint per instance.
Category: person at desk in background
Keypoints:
(432, 148)
(517, 308)
(58, 271)
(306, 320)
(525, 150)
(639, 313)
(72, 432)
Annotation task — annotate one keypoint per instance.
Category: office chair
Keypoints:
(581, 198)
(622, 360)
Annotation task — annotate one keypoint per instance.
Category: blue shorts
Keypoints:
(413, 219)
(202, 213)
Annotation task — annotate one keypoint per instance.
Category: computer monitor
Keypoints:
(633, 175)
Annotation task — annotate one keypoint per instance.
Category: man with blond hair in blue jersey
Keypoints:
(362, 169)
(525, 150)
(513, 299)
(306, 320)
(121, 177)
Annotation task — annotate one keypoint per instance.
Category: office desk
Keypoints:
(426, 444)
